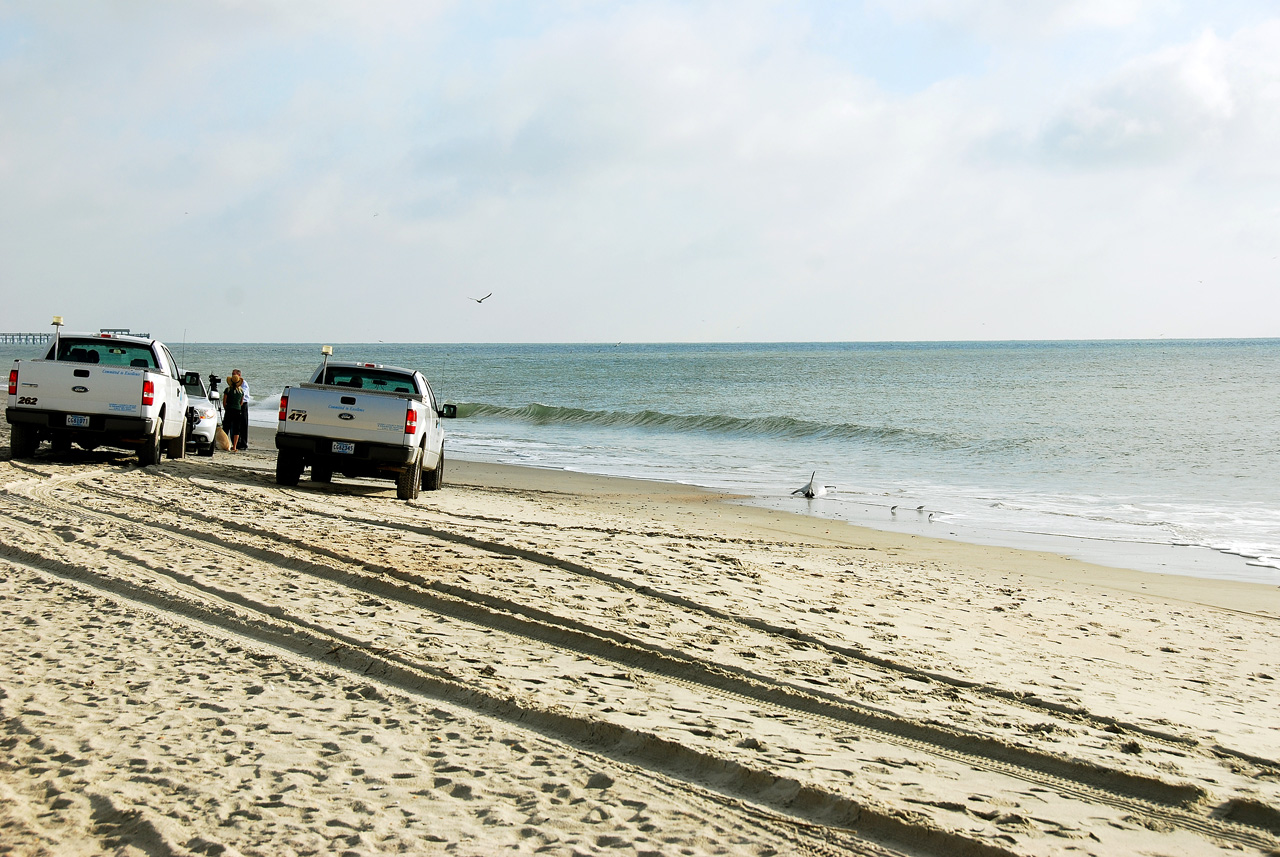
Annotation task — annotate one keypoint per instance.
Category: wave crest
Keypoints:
(781, 427)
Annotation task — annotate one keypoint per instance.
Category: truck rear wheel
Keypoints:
(433, 479)
(410, 479)
(178, 445)
(24, 440)
(288, 467)
(151, 451)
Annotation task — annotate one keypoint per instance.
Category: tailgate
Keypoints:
(354, 415)
(80, 388)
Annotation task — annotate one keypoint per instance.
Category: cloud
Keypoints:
(622, 171)
(1004, 19)
(1194, 98)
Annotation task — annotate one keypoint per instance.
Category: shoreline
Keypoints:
(675, 502)
(1144, 558)
(1155, 557)
(1193, 561)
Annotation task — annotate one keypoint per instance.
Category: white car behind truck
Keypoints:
(99, 389)
(202, 412)
(363, 420)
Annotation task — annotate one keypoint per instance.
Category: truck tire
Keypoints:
(205, 449)
(178, 445)
(24, 440)
(410, 479)
(433, 479)
(151, 450)
(288, 467)
(321, 473)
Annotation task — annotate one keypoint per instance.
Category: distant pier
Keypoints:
(42, 338)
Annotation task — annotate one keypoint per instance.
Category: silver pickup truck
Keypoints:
(362, 419)
(99, 389)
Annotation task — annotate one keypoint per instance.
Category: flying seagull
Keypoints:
(813, 489)
(483, 299)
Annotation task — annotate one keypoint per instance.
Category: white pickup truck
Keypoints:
(99, 389)
(363, 419)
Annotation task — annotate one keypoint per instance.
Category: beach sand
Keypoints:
(532, 661)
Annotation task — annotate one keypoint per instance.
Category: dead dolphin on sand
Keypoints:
(813, 489)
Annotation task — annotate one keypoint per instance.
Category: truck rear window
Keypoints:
(369, 379)
(106, 352)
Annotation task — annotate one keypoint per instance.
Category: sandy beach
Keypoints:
(529, 661)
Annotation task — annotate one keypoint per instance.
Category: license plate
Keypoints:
(343, 448)
(77, 420)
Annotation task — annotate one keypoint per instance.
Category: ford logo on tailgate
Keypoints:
(346, 416)
(79, 389)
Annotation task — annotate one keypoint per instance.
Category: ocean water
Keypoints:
(1159, 455)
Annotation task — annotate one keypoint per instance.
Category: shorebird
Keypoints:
(813, 489)
(483, 299)
(893, 510)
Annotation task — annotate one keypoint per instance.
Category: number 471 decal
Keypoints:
(298, 416)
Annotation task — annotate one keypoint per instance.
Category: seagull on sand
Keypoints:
(483, 299)
(813, 489)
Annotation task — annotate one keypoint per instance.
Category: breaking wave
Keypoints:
(769, 427)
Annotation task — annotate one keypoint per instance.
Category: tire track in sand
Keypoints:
(1031, 704)
(511, 617)
(801, 809)
(1117, 788)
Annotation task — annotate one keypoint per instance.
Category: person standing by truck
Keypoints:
(244, 426)
(234, 410)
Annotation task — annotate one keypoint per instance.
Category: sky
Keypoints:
(813, 170)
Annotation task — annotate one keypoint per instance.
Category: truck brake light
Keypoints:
(284, 407)
(410, 421)
(13, 382)
(148, 393)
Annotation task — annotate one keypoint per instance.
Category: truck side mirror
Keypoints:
(448, 411)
